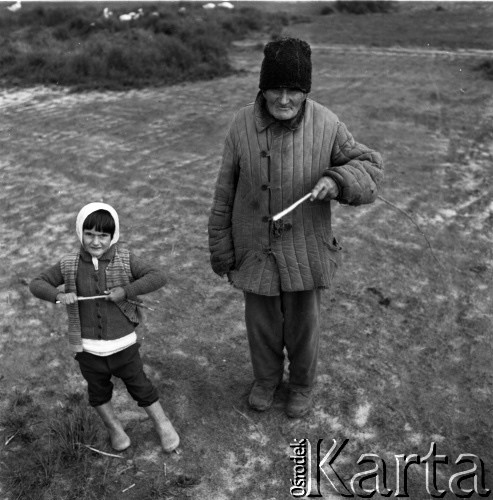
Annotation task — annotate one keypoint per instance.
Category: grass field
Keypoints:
(406, 348)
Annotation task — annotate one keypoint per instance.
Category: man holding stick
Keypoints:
(279, 149)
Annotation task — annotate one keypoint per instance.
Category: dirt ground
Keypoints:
(406, 348)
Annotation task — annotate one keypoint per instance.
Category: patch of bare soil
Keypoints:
(406, 348)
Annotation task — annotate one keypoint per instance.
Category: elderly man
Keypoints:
(278, 149)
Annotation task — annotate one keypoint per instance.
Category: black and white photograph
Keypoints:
(246, 249)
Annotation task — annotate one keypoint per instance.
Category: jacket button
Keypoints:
(265, 187)
(264, 154)
(265, 218)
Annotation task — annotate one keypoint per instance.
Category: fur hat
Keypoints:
(287, 64)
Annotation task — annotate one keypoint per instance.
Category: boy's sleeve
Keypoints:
(45, 285)
(148, 278)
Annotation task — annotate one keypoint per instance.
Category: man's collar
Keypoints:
(264, 119)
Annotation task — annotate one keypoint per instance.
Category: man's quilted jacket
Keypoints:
(266, 167)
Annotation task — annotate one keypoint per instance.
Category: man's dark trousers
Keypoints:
(291, 320)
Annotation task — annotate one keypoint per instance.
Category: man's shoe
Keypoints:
(299, 403)
(261, 397)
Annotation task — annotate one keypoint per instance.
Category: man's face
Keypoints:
(95, 242)
(284, 104)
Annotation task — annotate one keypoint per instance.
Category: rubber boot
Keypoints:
(118, 437)
(167, 434)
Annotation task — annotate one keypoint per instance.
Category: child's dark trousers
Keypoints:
(127, 365)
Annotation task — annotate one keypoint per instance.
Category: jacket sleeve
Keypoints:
(148, 278)
(357, 170)
(45, 285)
(220, 231)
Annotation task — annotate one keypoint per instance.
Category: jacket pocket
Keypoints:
(249, 259)
(248, 263)
(334, 254)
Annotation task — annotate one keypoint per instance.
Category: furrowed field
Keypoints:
(406, 356)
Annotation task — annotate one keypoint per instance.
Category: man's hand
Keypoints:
(67, 298)
(116, 294)
(325, 189)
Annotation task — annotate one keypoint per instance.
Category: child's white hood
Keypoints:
(89, 209)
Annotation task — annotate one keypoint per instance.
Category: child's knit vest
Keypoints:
(118, 273)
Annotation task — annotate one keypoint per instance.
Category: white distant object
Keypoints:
(107, 13)
(15, 6)
(209, 6)
(182, 9)
(131, 15)
(226, 5)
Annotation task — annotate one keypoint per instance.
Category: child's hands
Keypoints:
(67, 298)
(116, 294)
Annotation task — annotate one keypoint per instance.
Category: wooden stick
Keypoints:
(243, 415)
(95, 297)
(100, 452)
(139, 304)
(248, 418)
(291, 207)
(125, 469)
(12, 437)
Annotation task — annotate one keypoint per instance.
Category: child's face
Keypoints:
(95, 242)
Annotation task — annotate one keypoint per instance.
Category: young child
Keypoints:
(102, 331)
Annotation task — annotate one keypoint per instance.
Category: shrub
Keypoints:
(327, 10)
(486, 67)
(53, 450)
(77, 47)
(61, 33)
(365, 7)
(56, 16)
(71, 427)
(19, 416)
(29, 477)
(249, 19)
